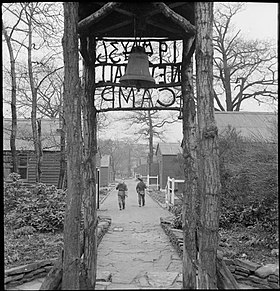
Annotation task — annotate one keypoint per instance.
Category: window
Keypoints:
(22, 165)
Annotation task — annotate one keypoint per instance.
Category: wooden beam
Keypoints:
(209, 184)
(114, 27)
(97, 15)
(165, 27)
(171, 5)
(138, 109)
(189, 146)
(122, 11)
(72, 114)
(175, 17)
(89, 167)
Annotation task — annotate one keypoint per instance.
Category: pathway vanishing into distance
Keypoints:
(135, 251)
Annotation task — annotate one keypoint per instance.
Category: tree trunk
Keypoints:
(89, 167)
(129, 173)
(62, 169)
(72, 103)
(208, 166)
(13, 102)
(189, 145)
(40, 152)
(36, 142)
(151, 149)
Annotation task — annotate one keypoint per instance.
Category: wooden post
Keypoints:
(208, 160)
(189, 145)
(172, 190)
(72, 103)
(89, 165)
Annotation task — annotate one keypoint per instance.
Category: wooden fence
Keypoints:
(170, 191)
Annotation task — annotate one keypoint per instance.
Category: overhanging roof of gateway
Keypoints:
(141, 19)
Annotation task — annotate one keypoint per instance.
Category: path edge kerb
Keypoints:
(162, 205)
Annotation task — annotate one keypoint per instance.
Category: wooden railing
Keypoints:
(170, 191)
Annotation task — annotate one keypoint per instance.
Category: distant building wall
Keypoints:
(168, 167)
(50, 167)
(143, 169)
(104, 179)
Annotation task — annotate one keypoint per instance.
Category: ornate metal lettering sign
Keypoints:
(165, 66)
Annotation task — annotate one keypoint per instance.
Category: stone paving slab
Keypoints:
(33, 285)
(140, 256)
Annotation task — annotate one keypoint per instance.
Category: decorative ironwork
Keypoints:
(165, 67)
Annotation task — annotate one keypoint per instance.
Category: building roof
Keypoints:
(252, 125)
(24, 141)
(168, 149)
(248, 124)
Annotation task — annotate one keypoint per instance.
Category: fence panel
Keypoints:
(170, 191)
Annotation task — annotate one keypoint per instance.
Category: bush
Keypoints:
(248, 171)
(249, 183)
(42, 208)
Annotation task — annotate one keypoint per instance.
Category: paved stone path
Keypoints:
(136, 251)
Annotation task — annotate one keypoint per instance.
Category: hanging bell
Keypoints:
(137, 72)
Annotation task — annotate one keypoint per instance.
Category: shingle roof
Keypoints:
(248, 124)
(24, 141)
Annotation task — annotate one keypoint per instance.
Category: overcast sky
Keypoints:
(258, 20)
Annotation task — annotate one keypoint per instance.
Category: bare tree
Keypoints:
(36, 31)
(243, 69)
(151, 125)
(8, 37)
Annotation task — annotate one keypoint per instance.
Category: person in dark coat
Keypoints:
(140, 189)
(121, 194)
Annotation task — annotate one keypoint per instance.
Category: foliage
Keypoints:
(248, 171)
(27, 247)
(249, 192)
(41, 208)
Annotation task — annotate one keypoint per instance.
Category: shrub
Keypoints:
(249, 183)
(248, 171)
(42, 208)
(14, 193)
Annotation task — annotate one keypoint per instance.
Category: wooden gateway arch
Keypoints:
(103, 33)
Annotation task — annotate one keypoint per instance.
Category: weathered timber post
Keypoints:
(189, 145)
(72, 103)
(208, 161)
(89, 164)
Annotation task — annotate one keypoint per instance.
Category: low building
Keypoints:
(50, 139)
(25, 149)
(257, 126)
(168, 158)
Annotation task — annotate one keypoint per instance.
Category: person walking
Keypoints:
(122, 189)
(140, 189)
